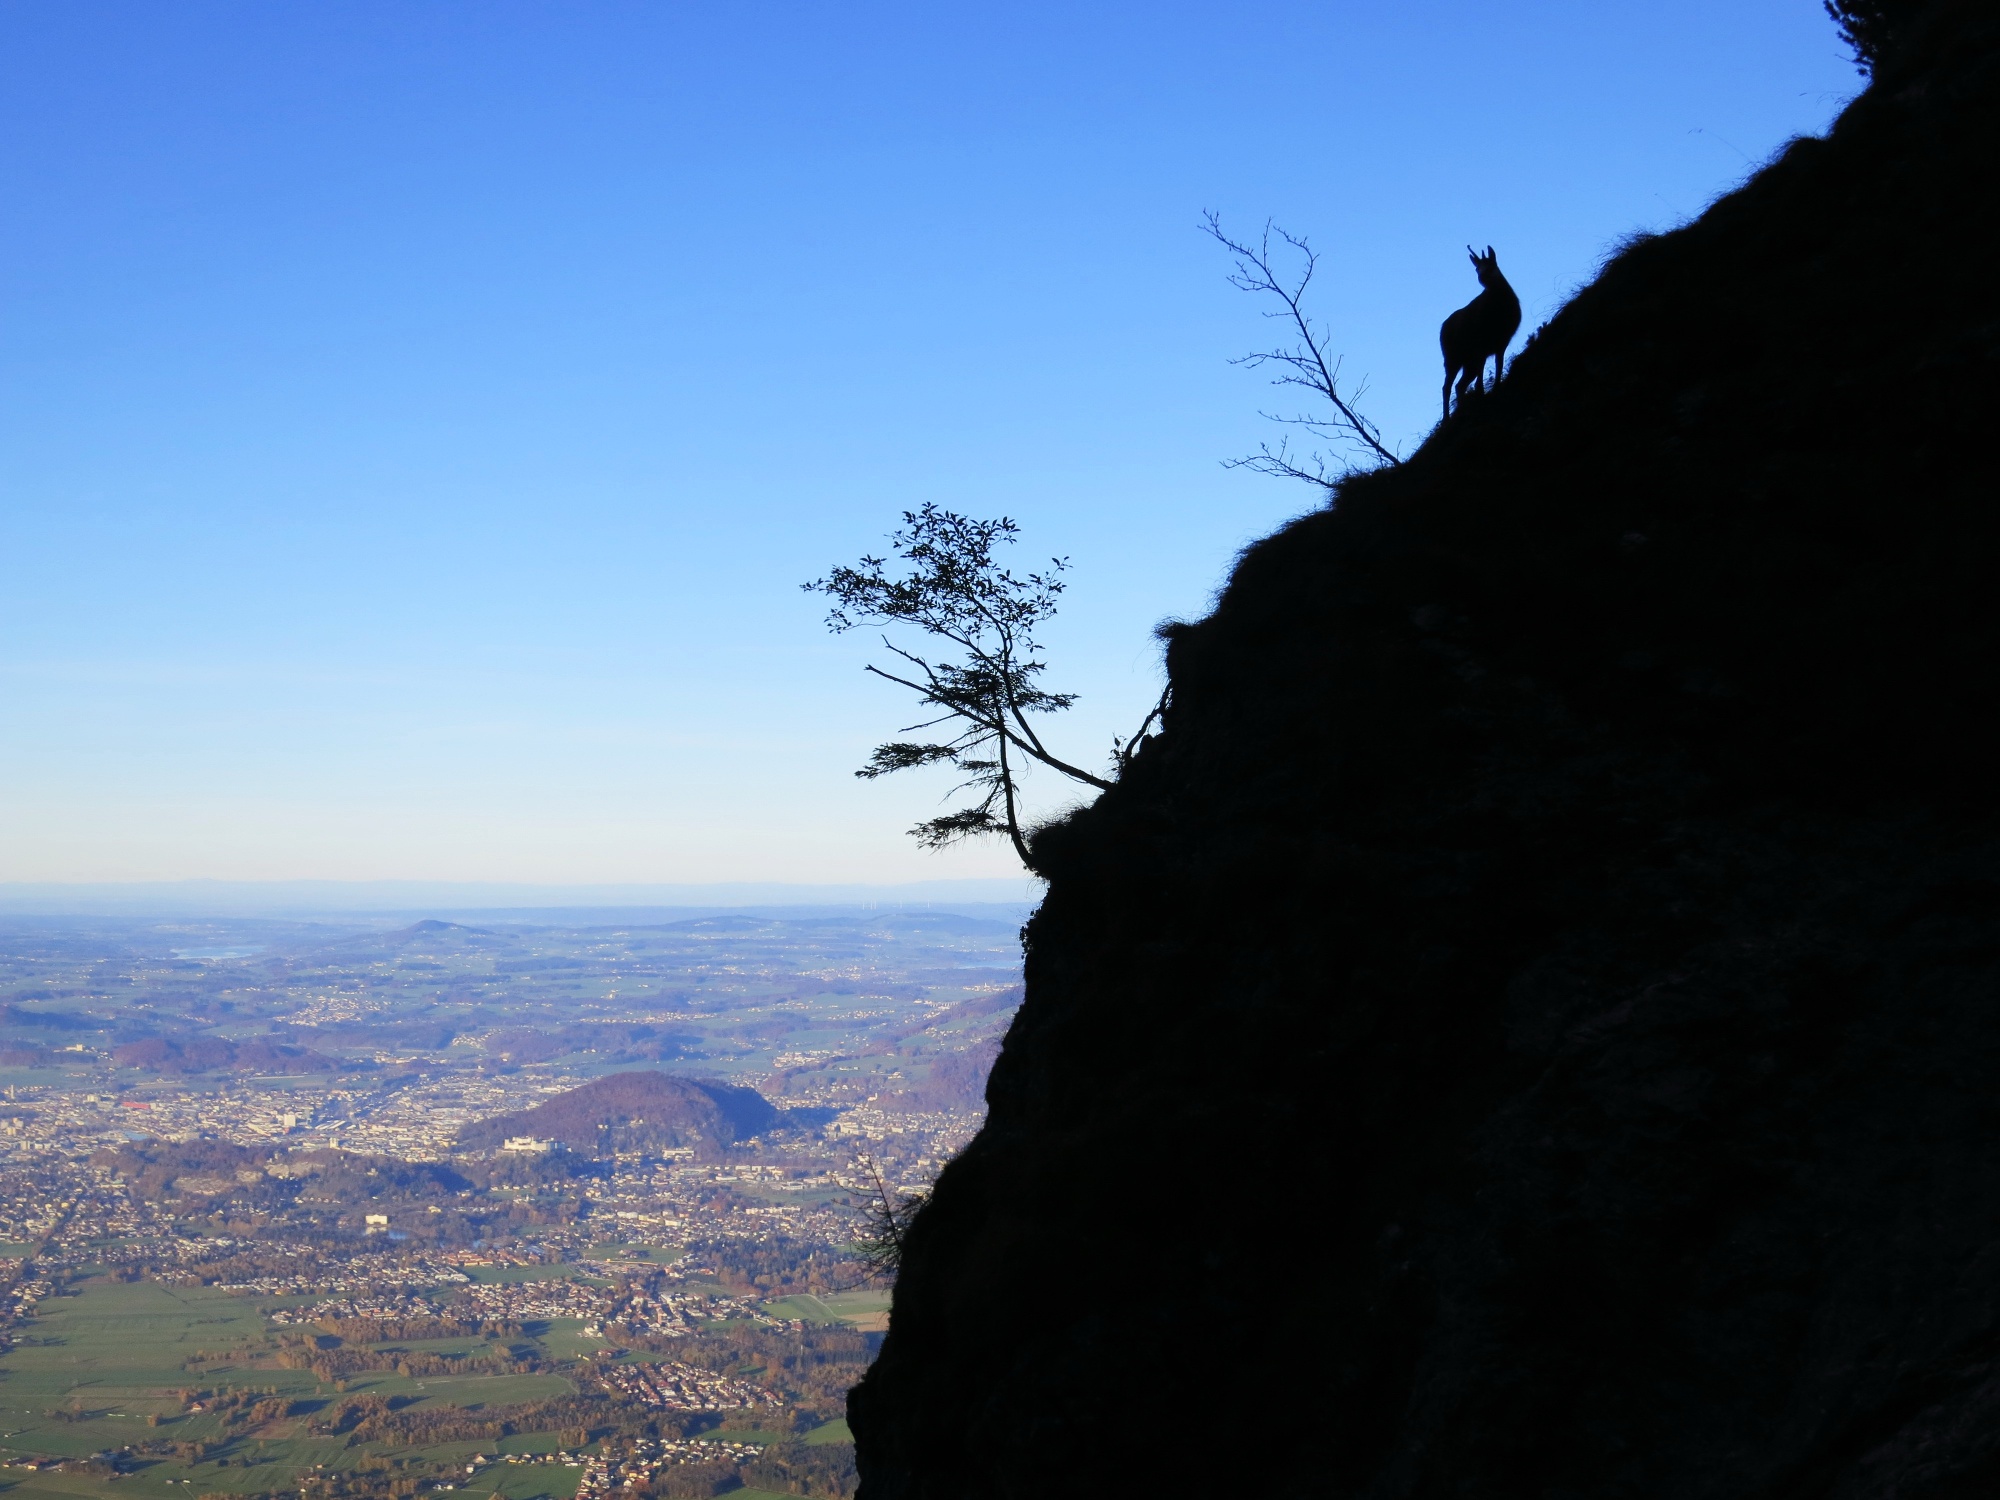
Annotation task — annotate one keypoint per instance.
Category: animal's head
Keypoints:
(1486, 266)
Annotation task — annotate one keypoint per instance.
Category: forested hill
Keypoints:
(1529, 1026)
(633, 1112)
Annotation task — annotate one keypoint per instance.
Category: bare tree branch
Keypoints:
(1124, 750)
(888, 1216)
(1305, 364)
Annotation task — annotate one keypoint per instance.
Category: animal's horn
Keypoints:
(1489, 253)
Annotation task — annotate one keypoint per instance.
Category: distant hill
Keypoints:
(430, 927)
(621, 1041)
(49, 1020)
(954, 1081)
(203, 1054)
(427, 936)
(633, 1112)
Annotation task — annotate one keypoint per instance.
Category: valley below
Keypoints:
(275, 1218)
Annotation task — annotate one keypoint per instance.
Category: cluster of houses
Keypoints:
(631, 1470)
(669, 1386)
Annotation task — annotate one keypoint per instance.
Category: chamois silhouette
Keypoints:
(1483, 327)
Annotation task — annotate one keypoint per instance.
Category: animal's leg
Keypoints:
(1448, 373)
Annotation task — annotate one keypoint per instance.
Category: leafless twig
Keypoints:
(1305, 364)
(889, 1217)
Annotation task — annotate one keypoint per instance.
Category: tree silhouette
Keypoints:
(889, 1215)
(955, 590)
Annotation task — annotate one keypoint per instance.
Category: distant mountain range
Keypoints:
(633, 1112)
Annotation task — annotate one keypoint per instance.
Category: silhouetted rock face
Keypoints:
(1531, 1024)
(632, 1112)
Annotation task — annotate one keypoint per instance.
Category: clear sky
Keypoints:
(416, 417)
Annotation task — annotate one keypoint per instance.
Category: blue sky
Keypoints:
(416, 418)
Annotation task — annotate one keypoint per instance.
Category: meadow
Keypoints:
(866, 1309)
(99, 1369)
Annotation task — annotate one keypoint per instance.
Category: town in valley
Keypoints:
(588, 1204)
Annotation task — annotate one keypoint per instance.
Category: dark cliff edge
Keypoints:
(1530, 1025)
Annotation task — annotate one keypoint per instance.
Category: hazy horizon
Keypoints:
(227, 898)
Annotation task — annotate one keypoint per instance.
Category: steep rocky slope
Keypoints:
(1530, 1025)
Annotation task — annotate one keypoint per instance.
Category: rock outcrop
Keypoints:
(1530, 1024)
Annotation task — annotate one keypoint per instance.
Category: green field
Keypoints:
(515, 1482)
(659, 1255)
(862, 1309)
(89, 1369)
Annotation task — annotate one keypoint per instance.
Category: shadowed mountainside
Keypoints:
(1530, 1024)
(633, 1112)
